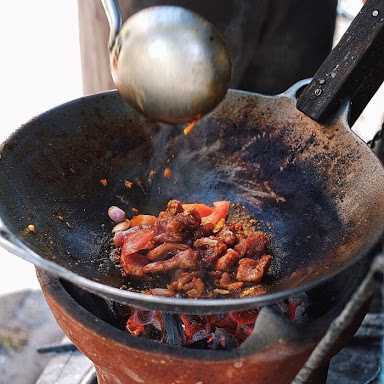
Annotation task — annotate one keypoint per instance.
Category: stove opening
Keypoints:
(225, 331)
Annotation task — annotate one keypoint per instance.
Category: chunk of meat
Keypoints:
(166, 237)
(226, 262)
(209, 249)
(175, 228)
(227, 236)
(133, 264)
(189, 283)
(174, 207)
(188, 221)
(251, 270)
(220, 211)
(253, 291)
(204, 230)
(183, 260)
(137, 241)
(236, 228)
(164, 250)
(227, 282)
(202, 209)
(162, 292)
(195, 243)
(119, 237)
(143, 220)
(253, 245)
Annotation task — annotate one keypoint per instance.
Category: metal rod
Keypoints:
(59, 348)
(115, 20)
(327, 344)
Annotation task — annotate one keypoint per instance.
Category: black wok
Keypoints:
(315, 187)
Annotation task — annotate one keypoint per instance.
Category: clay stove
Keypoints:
(275, 354)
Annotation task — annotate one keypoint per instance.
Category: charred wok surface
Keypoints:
(318, 190)
(192, 251)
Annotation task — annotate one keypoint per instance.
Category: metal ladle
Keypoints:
(167, 62)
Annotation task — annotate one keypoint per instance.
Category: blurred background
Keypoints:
(41, 68)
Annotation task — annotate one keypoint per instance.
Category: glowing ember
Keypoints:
(128, 184)
(223, 331)
(190, 126)
(168, 172)
(103, 182)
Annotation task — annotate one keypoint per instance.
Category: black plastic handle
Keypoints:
(353, 71)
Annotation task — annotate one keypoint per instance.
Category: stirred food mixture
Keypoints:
(192, 251)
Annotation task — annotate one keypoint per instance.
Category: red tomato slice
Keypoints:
(137, 241)
(120, 237)
(143, 220)
(202, 209)
(220, 211)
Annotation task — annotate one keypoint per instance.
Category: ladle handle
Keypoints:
(115, 20)
(354, 70)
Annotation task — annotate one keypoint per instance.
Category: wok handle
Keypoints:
(354, 70)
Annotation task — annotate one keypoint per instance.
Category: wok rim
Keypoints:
(169, 304)
(12, 243)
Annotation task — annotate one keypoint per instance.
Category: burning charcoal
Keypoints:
(221, 339)
(134, 325)
(199, 336)
(295, 307)
(139, 320)
(193, 327)
(173, 333)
